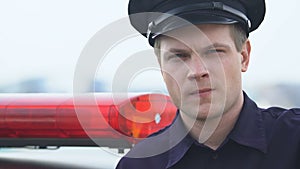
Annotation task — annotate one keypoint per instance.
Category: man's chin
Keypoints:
(195, 114)
(202, 114)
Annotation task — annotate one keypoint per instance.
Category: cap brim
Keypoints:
(191, 19)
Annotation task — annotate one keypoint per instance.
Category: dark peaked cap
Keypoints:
(154, 17)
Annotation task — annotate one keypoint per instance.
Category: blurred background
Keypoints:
(41, 41)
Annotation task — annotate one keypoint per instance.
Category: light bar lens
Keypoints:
(57, 116)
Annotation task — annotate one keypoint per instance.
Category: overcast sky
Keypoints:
(44, 38)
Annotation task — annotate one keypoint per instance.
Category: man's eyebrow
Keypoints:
(215, 45)
(178, 50)
(188, 50)
(169, 51)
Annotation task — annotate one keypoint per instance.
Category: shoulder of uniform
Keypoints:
(280, 122)
(277, 113)
(154, 145)
(148, 154)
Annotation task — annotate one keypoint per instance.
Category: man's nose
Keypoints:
(197, 68)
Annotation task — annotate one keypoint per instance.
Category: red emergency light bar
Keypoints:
(110, 120)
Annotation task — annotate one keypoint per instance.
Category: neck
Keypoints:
(213, 131)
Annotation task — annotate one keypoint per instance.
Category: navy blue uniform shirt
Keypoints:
(261, 139)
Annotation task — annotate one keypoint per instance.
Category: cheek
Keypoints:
(224, 73)
(173, 86)
(233, 76)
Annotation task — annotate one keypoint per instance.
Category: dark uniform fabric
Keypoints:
(261, 139)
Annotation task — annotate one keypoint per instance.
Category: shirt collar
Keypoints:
(249, 130)
(179, 133)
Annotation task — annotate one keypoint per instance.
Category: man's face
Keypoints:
(202, 69)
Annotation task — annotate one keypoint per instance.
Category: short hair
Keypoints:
(239, 36)
(237, 32)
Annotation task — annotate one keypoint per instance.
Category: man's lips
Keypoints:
(202, 92)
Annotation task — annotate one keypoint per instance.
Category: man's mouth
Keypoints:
(204, 92)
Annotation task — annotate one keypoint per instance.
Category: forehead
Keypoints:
(195, 36)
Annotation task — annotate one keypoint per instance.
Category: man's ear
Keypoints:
(246, 50)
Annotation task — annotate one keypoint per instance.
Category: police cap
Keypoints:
(155, 17)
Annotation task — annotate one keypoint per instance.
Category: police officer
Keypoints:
(202, 47)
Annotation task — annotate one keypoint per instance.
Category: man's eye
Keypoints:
(177, 56)
(180, 55)
(212, 51)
